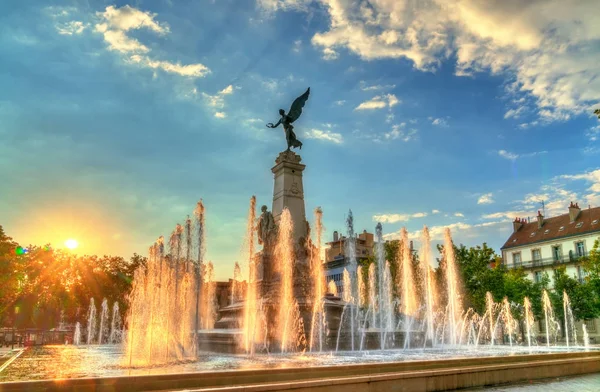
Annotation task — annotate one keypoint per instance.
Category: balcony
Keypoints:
(549, 261)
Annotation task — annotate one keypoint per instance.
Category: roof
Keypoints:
(588, 221)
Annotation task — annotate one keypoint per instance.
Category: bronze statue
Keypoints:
(287, 119)
(265, 228)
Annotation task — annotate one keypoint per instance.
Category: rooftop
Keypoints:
(587, 221)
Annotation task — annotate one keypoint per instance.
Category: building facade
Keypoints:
(336, 260)
(542, 245)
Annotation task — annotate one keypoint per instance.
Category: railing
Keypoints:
(548, 261)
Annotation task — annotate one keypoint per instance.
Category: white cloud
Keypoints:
(71, 28)
(227, 90)
(376, 87)
(549, 51)
(515, 113)
(341, 102)
(485, 199)
(297, 46)
(513, 156)
(217, 101)
(328, 136)
(593, 133)
(116, 23)
(435, 211)
(394, 218)
(379, 102)
(508, 155)
(330, 54)
(400, 132)
(459, 215)
(440, 122)
(190, 70)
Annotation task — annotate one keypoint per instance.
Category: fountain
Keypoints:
(103, 321)
(91, 322)
(115, 325)
(77, 334)
(285, 314)
(569, 320)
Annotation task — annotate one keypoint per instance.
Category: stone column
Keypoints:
(288, 192)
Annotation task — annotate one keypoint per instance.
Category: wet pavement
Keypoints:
(586, 383)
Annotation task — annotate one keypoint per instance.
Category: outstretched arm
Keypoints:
(271, 125)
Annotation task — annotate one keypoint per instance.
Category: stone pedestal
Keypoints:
(288, 192)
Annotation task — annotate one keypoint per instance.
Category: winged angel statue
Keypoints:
(287, 119)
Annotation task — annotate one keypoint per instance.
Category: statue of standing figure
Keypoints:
(265, 228)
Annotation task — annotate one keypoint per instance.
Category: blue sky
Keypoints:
(116, 117)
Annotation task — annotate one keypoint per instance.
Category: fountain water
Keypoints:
(586, 338)
(198, 265)
(509, 321)
(453, 293)
(285, 264)
(77, 334)
(103, 321)
(569, 320)
(209, 313)
(408, 298)
(235, 283)
(380, 260)
(529, 319)
(427, 283)
(332, 288)
(162, 304)
(319, 288)
(115, 325)
(373, 308)
(250, 305)
(350, 244)
(552, 326)
(91, 322)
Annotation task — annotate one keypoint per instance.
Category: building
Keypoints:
(542, 245)
(336, 260)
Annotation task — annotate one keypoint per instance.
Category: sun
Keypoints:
(71, 243)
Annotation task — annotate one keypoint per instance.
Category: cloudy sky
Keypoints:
(116, 117)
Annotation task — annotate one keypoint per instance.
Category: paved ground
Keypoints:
(587, 383)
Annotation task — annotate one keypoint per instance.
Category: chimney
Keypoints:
(573, 211)
(517, 224)
(411, 246)
(540, 219)
(335, 236)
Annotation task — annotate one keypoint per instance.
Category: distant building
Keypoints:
(336, 260)
(546, 243)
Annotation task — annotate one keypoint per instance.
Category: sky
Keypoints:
(117, 117)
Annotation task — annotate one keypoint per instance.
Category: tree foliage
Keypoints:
(43, 282)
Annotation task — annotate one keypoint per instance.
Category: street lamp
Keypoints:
(13, 331)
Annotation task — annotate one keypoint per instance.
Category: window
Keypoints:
(595, 221)
(580, 248)
(547, 231)
(516, 258)
(537, 276)
(532, 234)
(581, 274)
(590, 325)
(556, 253)
(577, 226)
(561, 228)
(536, 255)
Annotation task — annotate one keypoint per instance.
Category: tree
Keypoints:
(597, 113)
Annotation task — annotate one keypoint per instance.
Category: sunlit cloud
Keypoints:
(486, 199)
(326, 135)
(116, 24)
(379, 102)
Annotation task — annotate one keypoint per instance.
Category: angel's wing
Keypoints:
(296, 109)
